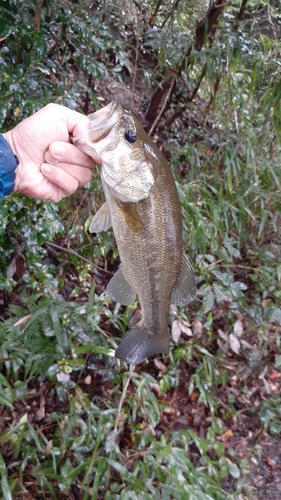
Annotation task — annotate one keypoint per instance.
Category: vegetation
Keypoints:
(204, 422)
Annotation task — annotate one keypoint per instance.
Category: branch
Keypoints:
(68, 250)
(188, 100)
(240, 14)
(157, 119)
(205, 31)
(37, 14)
(174, 7)
(153, 16)
(157, 98)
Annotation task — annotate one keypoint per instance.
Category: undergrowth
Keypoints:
(74, 422)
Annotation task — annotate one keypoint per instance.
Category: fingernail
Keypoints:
(46, 169)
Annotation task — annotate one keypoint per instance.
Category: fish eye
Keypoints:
(131, 136)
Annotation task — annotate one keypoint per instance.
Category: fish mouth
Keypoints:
(101, 123)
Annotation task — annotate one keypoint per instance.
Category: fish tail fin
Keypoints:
(140, 343)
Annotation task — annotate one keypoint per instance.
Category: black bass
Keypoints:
(142, 206)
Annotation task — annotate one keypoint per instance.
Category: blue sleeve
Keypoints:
(8, 165)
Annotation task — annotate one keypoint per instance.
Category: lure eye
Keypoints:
(131, 136)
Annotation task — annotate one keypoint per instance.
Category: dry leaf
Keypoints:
(176, 330)
(227, 434)
(160, 365)
(234, 343)
(223, 335)
(173, 309)
(48, 447)
(185, 329)
(88, 380)
(169, 411)
(247, 345)
(180, 326)
(238, 328)
(223, 347)
(272, 464)
(194, 396)
(156, 388)
(197, 327)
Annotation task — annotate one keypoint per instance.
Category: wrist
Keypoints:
(8, 164)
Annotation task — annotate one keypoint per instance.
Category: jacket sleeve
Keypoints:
(8, 165)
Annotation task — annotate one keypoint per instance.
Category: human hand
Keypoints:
(50, 167)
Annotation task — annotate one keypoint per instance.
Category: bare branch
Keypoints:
(240, 14)
(157, 119)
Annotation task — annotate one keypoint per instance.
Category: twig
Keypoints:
(158, 117)
(174, 7)
(72, 252)
(240, 14)
(155, 12)
(136, 58)
(189, 99)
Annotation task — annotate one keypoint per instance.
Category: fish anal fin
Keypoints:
(131, 217)
(101, 221)
(119, 290)
(184, 290)
(139, 344)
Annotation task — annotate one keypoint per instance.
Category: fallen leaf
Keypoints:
(176, 330)
(185, 329)
(194, 396)
(48, 447)
(88, 380)
(238, 328)
(169, 411)
(223, 335)
(234, 343)
(272, 464)
(160, 365)
(197, 327)
(156, 388)
(223, 347)
(228, 433)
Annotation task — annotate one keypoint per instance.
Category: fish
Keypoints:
(143, 208)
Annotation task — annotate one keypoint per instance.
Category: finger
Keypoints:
(81, 174)
(67, 153)
(64, 184)
(76, 123)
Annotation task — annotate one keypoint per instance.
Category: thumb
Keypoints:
(77, 124)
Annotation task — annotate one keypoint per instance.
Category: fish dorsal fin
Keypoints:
(184, 290)
(101, 221)
(119, 290)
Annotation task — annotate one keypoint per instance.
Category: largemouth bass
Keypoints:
(142, 205)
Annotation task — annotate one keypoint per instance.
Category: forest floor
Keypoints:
(252, 380)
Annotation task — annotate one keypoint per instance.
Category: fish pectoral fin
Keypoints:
(119, 290)
(140, 343)
(184, 290)
(101, 221)
(131, 217)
